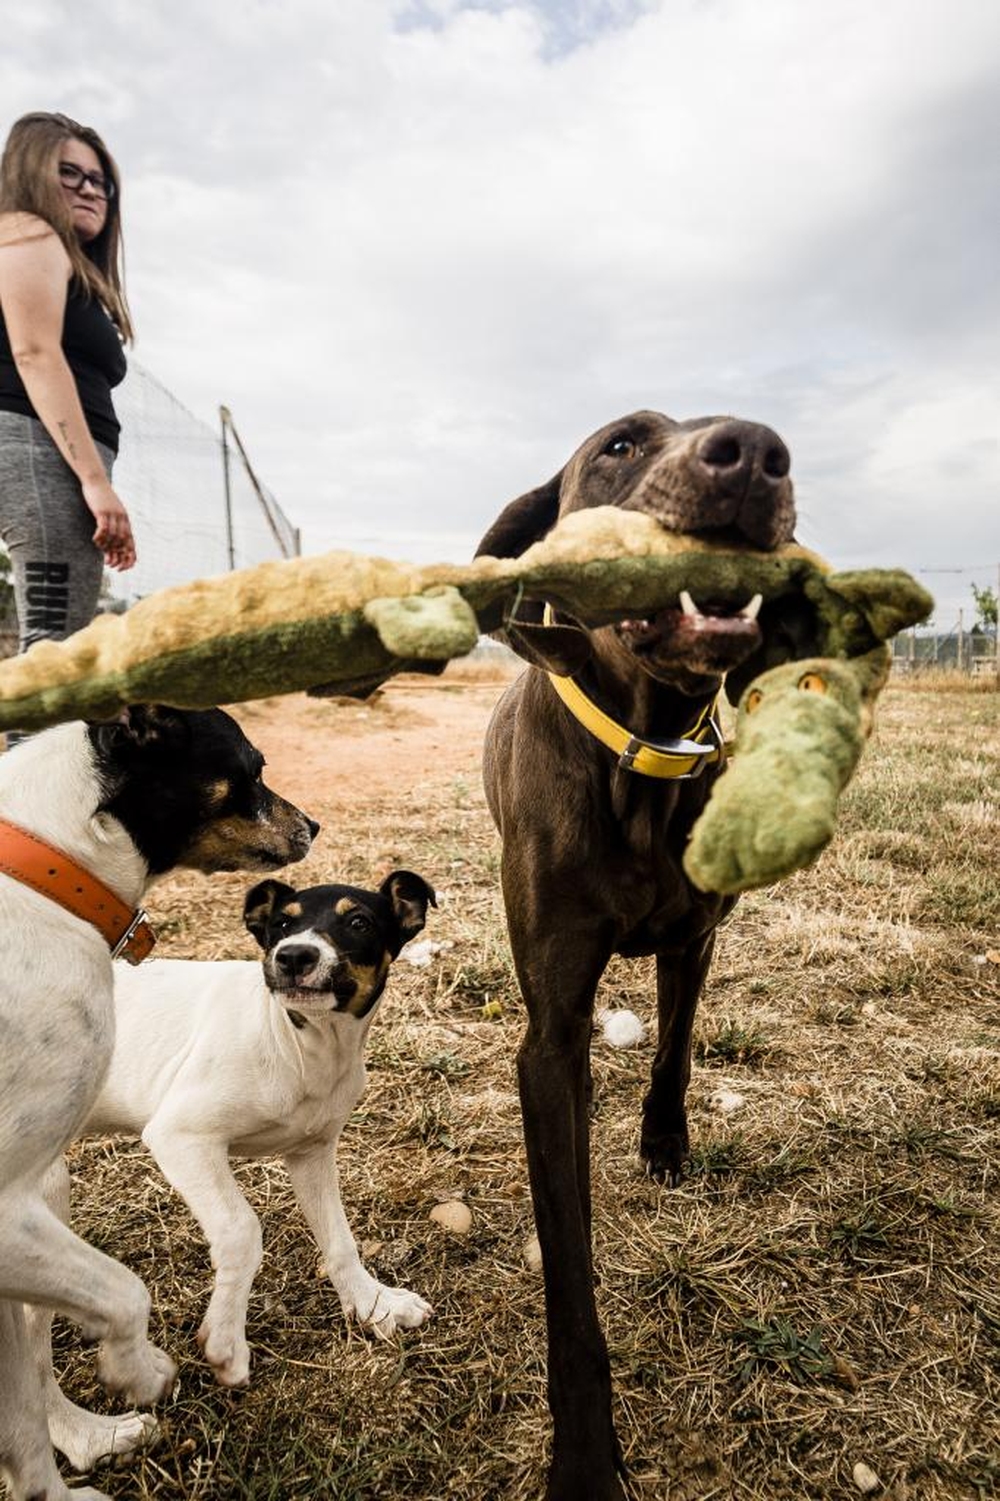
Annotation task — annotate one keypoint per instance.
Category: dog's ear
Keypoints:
(259, 906)
(410, 896)
(562, 647)
(523, 521)
(143, 727)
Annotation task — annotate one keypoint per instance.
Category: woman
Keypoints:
(63, 320)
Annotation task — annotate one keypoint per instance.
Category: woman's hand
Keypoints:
(113, 533)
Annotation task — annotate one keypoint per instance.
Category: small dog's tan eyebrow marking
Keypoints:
(292, 909)
(344, 905)
(218, 792)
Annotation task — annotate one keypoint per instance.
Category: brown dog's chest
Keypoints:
(586, 843)
(655, 906)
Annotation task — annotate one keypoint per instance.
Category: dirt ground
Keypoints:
(414, 734)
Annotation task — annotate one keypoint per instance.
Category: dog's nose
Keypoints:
(313, 827)
(296, 960)
(739, 453)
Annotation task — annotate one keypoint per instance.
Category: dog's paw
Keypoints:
(663, 1157)
(227, 1352)
(404, 1309)
(89, 1438)
(385, 1309)
(142, 1372)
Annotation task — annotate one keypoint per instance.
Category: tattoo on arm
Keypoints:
(67, 444)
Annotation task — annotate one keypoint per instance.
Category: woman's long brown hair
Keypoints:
(29, 183)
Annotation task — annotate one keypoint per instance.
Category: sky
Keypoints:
(422, 248)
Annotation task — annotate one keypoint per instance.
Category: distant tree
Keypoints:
(986, 608)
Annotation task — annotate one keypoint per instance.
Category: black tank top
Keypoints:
(95, 355)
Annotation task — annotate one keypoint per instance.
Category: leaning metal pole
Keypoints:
(225, 419)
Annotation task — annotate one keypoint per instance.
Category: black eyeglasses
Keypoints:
(74, 177)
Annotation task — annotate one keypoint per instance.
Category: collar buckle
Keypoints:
(702, 752)
(137, 941)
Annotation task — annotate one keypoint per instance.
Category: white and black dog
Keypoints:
(89, 814)
(233, 1058)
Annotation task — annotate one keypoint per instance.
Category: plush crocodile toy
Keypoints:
(800, 731)
(343, 623)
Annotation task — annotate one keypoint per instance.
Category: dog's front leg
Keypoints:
(317, 1187)
(42, 1261)
(84, 1437)
(26, 1460)
(558, 980)
(664, 1142)
(198, 1167)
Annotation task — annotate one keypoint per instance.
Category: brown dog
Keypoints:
(592, 846)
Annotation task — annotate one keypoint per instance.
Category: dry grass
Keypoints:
(825, 1287)
(932, 679)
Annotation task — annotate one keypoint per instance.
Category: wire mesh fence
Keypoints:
(196, 504)
(975, 652)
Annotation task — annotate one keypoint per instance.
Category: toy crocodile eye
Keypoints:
(753, 700)
(811, 682)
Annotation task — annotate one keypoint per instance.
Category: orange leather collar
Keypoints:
(51, 873)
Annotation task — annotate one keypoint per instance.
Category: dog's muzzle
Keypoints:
(309, 970)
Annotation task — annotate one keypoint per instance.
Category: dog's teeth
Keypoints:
(752, 610)
(687, 604)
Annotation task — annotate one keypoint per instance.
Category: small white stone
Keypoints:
(420, 951)
(532, 1254)
(726, 1101)
(454, 1216)
(865, 1479)
(622, 1029)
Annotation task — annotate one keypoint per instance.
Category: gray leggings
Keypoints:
(48, 531)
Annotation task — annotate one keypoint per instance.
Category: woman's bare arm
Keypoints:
(34, 278)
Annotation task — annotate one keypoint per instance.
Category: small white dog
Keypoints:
(233, 1058)
(88, 815)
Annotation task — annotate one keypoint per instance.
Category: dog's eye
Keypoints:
(359, 923)
(621, 447)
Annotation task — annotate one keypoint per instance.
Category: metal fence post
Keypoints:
(225, 419)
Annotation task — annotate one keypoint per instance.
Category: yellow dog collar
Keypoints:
(679, 759)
